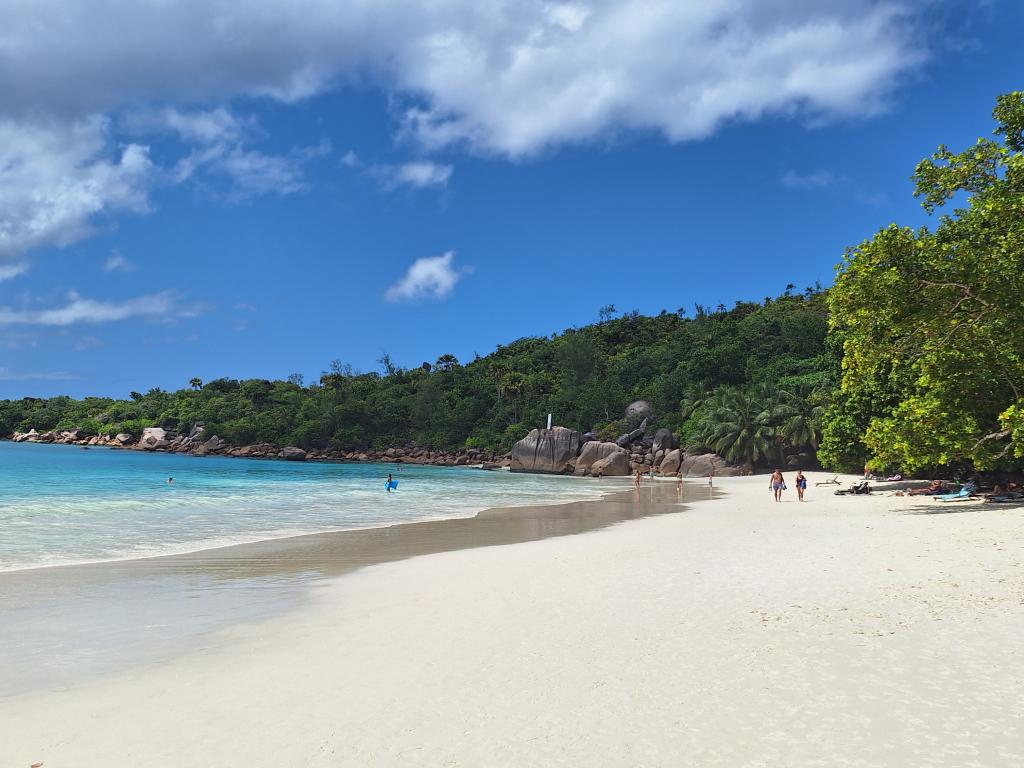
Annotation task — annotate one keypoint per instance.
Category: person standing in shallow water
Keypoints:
(387, 484)
(801, 484)
(777, 484)
(636, 478)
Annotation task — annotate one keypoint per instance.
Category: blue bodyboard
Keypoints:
(393, 484)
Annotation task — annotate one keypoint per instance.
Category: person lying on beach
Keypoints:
(777, 484)
(934, 488)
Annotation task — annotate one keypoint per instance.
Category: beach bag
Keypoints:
(783, 486)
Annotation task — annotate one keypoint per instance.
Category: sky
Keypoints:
(235, 188)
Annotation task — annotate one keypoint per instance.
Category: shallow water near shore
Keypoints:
(62, 624)
(60, 504)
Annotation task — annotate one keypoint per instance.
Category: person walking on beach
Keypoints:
(801, 484)
(777, 484)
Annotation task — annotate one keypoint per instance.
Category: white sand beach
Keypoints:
(853, 631)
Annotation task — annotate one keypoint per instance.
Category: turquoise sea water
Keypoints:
(62, 504)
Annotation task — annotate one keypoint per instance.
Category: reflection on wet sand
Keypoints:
(57, 624)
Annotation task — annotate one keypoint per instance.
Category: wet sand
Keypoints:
(59, 625)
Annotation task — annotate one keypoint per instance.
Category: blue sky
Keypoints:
(227, 190)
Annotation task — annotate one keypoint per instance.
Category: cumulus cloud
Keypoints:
(511, 78)
(80, 310)
(429, 277)
(10, 271)
(56, 177)
(417, 174)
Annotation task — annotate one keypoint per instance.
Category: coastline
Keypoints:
(859, 631)
(133, 591)
(338, 500)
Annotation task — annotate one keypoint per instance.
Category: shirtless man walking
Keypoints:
(777, 484)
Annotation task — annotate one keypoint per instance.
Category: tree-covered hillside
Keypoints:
(747, 381)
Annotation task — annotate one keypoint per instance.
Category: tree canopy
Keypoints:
(931, 322)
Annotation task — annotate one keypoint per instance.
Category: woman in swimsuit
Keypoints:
(801, 484)
(777, 484)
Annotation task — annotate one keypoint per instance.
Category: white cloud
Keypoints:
(429, 277)
(10, 271)
(816, 180)
(682, 69)
(80, 310)
(417, 174)
(117, 263)
(56, 177)
(249, 171)
(200, 126)
(510, 77)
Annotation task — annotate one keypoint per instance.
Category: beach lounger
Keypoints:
(964, 493)
(833, 481)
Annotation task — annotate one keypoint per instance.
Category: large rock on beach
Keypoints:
(613, 465)
(124, 438)
(550, 451)
(592, 452)
(670, 464)
(704, 464)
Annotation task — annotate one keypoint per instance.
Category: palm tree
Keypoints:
(196, 383)
(737, 426)
(694, 397)
(800, 410)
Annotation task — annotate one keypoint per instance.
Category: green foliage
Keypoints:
(758, 424)
(584, 376)
(932, 321)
